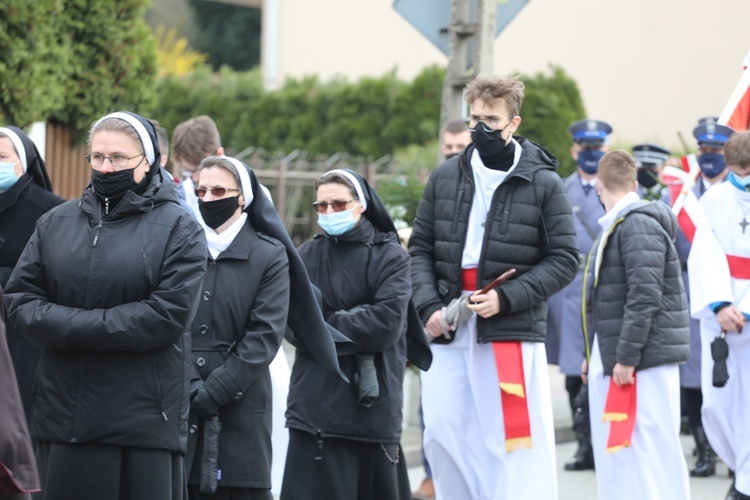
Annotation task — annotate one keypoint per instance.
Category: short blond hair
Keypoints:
(618, 171)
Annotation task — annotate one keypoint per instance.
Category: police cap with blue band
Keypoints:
(650, 155)
(590, 132)
(709, 133)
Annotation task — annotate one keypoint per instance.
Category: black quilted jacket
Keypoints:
(529, 227)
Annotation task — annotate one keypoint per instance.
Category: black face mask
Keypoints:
(647, 178)
(493, 150)
(450, 155)
(113, 184)
(215, 213)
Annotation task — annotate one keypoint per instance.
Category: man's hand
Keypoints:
(585, 371)
(731, 319)
(623, 375)
(433, 325)
(485, 304)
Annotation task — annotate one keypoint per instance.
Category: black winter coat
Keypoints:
(236, 333)
(529, 227)
(363, 267)
(20, 208)
(110, 300)
(640, 307)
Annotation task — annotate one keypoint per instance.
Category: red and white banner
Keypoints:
(685, 204)
(736, 113)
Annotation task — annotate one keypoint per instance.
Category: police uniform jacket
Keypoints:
(564, 320)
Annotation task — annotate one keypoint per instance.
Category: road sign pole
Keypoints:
(472, 34)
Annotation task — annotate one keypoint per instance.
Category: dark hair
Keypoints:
(336, 178)
(216, 161)
(455, 127)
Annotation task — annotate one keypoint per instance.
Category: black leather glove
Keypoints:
(195, 386)
(203, 404)
(720, 353)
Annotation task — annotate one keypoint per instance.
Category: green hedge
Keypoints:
(371, 117)
(71, 61)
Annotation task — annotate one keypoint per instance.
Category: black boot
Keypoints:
(706, 464)
(584, 457)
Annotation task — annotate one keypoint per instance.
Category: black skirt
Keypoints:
(98, 471)
(343, 469)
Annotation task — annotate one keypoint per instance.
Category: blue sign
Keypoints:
(432, 17)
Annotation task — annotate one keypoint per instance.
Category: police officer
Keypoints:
(564, 325)
(711, 138)
(651, 159)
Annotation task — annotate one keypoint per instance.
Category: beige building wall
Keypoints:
(649, 67)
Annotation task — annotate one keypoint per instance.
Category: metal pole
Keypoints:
(471, 34)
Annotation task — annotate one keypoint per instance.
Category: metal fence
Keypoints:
(289, 176)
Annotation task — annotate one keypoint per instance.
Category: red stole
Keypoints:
(619, 410)
(739, 267)
(510, 375)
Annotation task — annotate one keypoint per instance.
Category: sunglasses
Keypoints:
(217, 192)
(338, 205)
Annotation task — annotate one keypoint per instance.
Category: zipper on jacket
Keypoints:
(106, 206)
(319, 439)
(158, 385)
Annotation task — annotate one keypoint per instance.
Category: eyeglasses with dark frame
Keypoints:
(117, 161)
(490, 122)
(218, 192)
(338, 205)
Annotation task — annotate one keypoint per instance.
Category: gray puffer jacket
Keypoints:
(640, 306)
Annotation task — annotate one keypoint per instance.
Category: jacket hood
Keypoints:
(656, 209)
(533, 157)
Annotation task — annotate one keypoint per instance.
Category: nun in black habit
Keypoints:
(25, 195)
(256, 285)
(107, 286)
(344, 438)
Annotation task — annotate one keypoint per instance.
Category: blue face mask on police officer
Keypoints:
(8, 175)
(337, 223)
(712, 164)
(588, 160)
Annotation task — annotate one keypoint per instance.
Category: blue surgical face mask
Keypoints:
(8, 175)
(712, 164)
(588, 160)
(743, 182)
(337, 223)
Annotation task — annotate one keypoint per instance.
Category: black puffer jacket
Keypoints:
(640, 307)
(110, 300)
(368, 268)
(529, 227)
